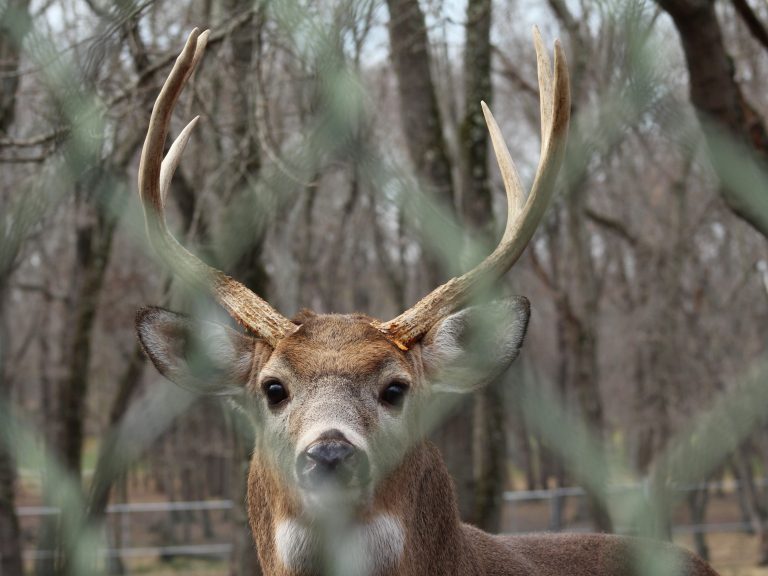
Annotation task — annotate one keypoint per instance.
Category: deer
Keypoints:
(343, 479)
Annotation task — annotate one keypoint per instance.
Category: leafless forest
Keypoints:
(342, 164)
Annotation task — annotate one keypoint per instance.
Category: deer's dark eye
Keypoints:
(274, 391)
(394, 394)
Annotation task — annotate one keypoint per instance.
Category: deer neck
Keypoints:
(412, 526)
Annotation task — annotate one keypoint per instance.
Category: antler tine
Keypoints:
(523, 216)
(515, 192)
(509, 175)
(154, 181)
(173, 158)
(546, 98)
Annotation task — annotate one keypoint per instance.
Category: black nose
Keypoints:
(330, 454)
(332, 458)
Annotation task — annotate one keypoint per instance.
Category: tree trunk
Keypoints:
(109, 465)
(421, 118)
(758, 514)
(582, 381)
(717, 97)
(245, 561)
(93, 245)
(697, 503)
(14, 24)
(10, 542)
(422, 126)
(490, 446)
(94, 235)
(578, 301)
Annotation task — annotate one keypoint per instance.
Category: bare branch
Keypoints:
(510, 72)
(750, 19)
(33, 141)
(214, 38)
(611, 224)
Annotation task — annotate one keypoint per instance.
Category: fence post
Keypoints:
(125, 533)
(556, 510)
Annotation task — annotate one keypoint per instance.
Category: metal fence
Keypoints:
(555, 501)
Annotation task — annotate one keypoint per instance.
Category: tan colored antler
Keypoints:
(523, 216)
(154, 181)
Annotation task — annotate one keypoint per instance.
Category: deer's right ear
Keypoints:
(202, 356)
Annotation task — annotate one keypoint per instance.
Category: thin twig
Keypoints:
(509, 71)
(25, 159)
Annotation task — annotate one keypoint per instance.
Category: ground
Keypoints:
(732, 554)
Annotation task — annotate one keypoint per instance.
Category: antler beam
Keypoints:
(523, 216)
(155, 176)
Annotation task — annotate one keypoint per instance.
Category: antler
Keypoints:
(154, 180)
(523, 216)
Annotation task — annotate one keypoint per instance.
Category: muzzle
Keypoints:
(332, 460)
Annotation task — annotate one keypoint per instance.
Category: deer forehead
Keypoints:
(346, 346)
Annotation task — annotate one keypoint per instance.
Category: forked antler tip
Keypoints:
(195, 34)
(195, 45)
(192, 38)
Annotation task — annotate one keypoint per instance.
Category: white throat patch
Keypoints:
(368, 549)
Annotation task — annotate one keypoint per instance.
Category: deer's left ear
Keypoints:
(471, 347)
(202, 356)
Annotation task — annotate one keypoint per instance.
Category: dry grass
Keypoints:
(731, 554)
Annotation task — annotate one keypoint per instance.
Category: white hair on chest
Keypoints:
(358, 549)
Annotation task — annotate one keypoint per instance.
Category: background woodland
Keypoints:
(342, 164)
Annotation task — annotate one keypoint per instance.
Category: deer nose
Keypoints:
(331, 458)
(331, 454)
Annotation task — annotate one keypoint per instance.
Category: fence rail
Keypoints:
(555, 497)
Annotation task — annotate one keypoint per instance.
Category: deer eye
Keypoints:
(275, 392)
(394, 394)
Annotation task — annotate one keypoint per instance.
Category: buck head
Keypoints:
(340, 399)
(336, 401)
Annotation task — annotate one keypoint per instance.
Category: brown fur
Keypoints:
(438, 544)
(346, 345)
(419, 491)
(335, 364)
